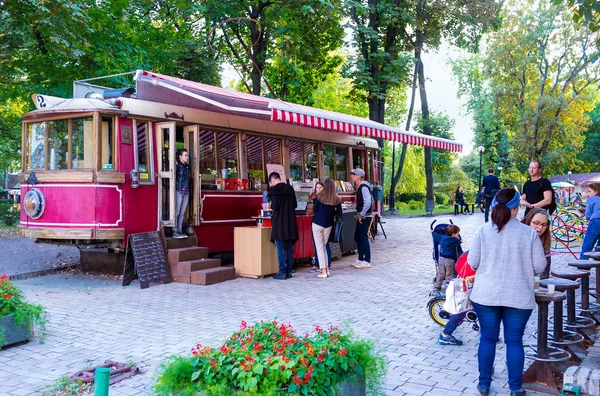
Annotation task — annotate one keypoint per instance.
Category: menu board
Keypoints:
(276, 168)
(145, 260)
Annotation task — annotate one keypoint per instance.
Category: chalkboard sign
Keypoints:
(145, 260)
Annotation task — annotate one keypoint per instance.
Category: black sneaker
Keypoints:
(449, 340)
(280, 277)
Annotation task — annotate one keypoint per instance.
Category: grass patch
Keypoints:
(64, 386)
(8, 231)
(405, 210)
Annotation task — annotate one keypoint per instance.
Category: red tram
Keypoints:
(101, 166)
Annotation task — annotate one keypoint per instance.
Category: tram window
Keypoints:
(36, 145)
(81, 142)
(58, 144)
(273, 151)
(254, 157)
(296, 164)
(107, 145)
(311, 170)
(328, 162)
(206, 158)
(227, 156)
(341, 168)
(143, 153)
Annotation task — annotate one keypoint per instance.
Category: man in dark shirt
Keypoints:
(491, 185)
(537, 192)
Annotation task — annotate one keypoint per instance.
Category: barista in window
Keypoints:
(183, 191)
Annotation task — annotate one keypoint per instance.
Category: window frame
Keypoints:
(98, 130)
(150, 166)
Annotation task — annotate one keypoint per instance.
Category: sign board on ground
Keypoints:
(145, 260)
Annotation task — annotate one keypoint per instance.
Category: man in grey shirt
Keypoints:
(364, 201)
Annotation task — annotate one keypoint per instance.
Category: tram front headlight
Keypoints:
(34, 203)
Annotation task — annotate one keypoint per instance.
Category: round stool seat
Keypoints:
(545, 297)
(571, 274)
(585, 264)
(592, 255)
(560, 284)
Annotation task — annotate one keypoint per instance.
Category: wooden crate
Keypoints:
(254, 254)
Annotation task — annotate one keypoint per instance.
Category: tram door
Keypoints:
(165, 135)
(190, 138)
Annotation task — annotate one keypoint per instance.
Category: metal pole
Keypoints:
(101, 381)
(480, 161)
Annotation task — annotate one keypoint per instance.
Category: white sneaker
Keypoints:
(356, 263)
(364, 264)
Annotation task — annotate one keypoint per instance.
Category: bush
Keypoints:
(407, 197)
(414, 205)
(441, 198)
(268, 357)
(9, 213)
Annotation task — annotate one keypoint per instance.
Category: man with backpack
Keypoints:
(538, 191)
(364, 212)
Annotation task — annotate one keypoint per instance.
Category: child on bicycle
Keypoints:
(450, 250)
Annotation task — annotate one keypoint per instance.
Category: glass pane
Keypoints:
(227, 156)
(273, 151)
(254, 155)
(341, 172)
(143, 151)
(310, 162)
(206, 157)
(328, 169)
(107, 143)
(82, 142)
(370, 165)
(58, 144)
(36, 145)
(166, 182)
(358, 160)
(296, 173)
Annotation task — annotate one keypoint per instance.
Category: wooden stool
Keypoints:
(560, 336)
(538, 376)
(589, 265)
(593, 255)
(574, 321)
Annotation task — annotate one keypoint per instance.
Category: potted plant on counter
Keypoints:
(18, 318)
(268, 358)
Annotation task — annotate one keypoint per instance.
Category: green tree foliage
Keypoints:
(589, 156)
(441, 126)
(535, 83)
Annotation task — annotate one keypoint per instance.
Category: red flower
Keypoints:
(257, 347)
(297, 380)
(282, 367)
(243, 325)
(342, 352)
(320, 358)
(307, 377)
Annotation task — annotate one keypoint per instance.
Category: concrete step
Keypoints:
(190, 241)
(186, 254)
(211, 276)
(181, 272)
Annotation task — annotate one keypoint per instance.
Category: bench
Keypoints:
(456, 206)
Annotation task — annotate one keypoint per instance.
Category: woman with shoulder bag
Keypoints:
(506, 254)
(326, 206)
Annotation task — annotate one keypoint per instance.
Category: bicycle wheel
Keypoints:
(436, 311)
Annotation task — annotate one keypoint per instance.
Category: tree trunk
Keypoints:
(377, 114)
(425, 114)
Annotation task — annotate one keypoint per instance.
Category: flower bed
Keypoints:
(18, 318)
(268, 358)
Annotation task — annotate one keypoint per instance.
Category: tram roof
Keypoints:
(158, 87)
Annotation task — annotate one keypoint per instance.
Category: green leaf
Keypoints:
(195, 375)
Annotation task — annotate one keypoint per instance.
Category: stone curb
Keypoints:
(35, 274)
(587, 378)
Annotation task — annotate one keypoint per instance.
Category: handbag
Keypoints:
(337, 231)
(458, 295)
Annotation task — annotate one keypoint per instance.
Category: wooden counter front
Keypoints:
(254, 254)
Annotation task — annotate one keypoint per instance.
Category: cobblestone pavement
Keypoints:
(93, 318)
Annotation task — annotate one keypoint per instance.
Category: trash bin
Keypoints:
(429, 206)
(377, 193)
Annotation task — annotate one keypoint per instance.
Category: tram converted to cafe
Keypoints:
(101, 165)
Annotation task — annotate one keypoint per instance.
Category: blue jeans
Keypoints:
(592, 235)
(514, 321)
(284, 247)
(454, 321)
(362, 239)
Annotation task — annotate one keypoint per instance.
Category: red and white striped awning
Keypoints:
(280, 111)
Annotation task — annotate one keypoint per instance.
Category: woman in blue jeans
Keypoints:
(506, 254)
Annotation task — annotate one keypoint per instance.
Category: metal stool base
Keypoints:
(554, 354)
(581, 322)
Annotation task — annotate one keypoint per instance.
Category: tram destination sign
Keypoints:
(145, 260)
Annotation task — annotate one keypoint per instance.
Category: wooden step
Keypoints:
(211, 276)
(181, 272)
(173, 243)
(186, 254)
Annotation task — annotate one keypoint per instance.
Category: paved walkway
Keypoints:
(93, 318)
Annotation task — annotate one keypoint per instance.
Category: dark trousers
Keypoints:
(454, 321)
(285, 248)
(362, 239)
(488, 203)
(514, 321)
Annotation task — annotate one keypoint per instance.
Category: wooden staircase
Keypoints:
(189, 263)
